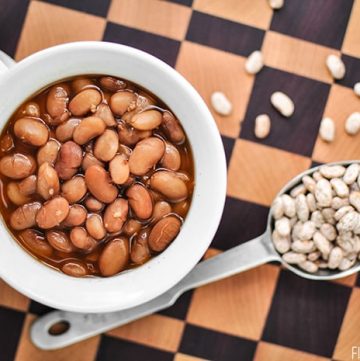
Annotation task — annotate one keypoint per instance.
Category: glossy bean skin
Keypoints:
(112, 84)
(170, 185)
(35, 242)
(89, 128)
(74, 269)
(119, 169)
(131, 227)
(115, 215)
(65, 130)
(164, 232)
(121, 102)
(85, 101)
(60, 241)
(52, 213)
(81, 239)
(161, 209)
(99, 184)
(95, 226)
(172, 128)
(140, 201)
(25, 216)
(145, 155)
(31, 109)
(31, 131)
(103, 112)
(115, 256)
(106, 146)
(171, 159)
(89, 160)
(56, 103)
(146, 120)
(93, 205)
(17, 165)
(48, 152)
(79, 84)
(74, 189)
(20, 192)
(129, 136)
(69, 160)
(48, 184)
(76, 217)
(140, 252)
(7, 143)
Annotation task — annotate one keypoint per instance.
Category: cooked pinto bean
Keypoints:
(85, 101)
(103, 111)
(19, 192)
(89, 128)
(169, 184)
(35, 242)
(161, 209)
(69, 160)
(60, 241)
(106, 146)
(146, 120)
(93, 205)
(56, 103)
(89, 160)
(115, 215)
(74, 189)
(52, 213)
(164, 232)
(140, 201)
(140, 251)
(95, 226)
(128, 135)
(48, 184)
(7, 143)
(81, 239)
(112, 84)
(31, 131)
(31, 109)
(99, 184)
(74, 269)
(65, 130)
(122, 101)
(48, 152)
(115, 256)
(24, 216)
(146, 155)
(131, 227)
(79, 84)
(171, 159)
(172, 128)
(17, 165)
(76, 217)
(119, 169)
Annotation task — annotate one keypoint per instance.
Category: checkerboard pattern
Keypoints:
(266, 314)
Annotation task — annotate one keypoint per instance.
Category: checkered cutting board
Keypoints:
(266, 314)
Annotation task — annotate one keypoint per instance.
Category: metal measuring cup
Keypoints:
(248, 255)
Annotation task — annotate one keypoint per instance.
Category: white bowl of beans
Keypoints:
(113, 177)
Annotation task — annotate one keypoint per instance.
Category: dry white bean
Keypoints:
(307, 231)
(354, 200)
(351, 173)
(302, 209)
(340, 187)
(282, 244)
(327, 130)
(335, 257)
(289, 205)
(282, 226)
(262, 126)
(314, 256)
(309, 183)
(342, 211)
(311, 202)
(293, 257)
(348, 222)
(300, 189)
(317, 218)
(276, 4)
(335, 66)
(254, 63)
(329, 231)
(221, 103)
(355, 186)
(329, 215)
(338, 202)
(303, 246)
(332, 171)
(322, 244)
(323, 193)
(309, 266)
(282, 103)
(317, 176)
(352, 123)
(357, 89)
(346, 264)
(277, 208)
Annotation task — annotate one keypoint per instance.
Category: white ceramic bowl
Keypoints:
(139, 285)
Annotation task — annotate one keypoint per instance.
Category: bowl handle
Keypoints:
(5, 62)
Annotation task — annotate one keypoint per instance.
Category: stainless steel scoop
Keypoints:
(238, 259)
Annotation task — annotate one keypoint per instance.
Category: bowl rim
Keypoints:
(35, 279)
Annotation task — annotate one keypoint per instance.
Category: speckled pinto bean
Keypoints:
(52, 213)
(145, 155)
(115, 256)
(169, 184)
(85, 101)
(164, 232)
(115, 215)
(24, 216)
(60, 241)
(88, 129)
(31, 131)
(17, 165)
(99, 184)
(140, 201)
(97, 176)
(106, 146)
